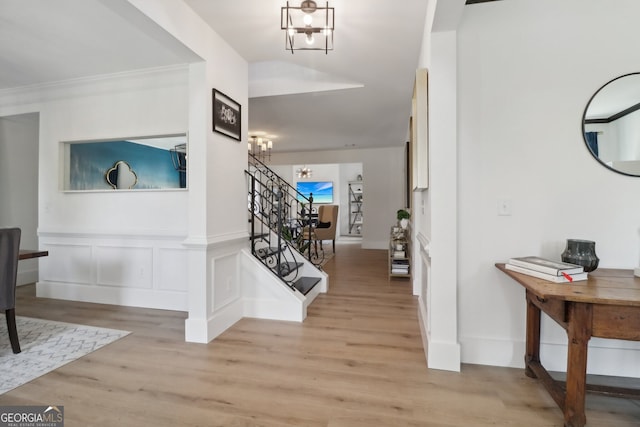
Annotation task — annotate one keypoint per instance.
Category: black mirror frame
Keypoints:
(584, 122)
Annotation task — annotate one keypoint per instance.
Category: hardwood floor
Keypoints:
(357, 361)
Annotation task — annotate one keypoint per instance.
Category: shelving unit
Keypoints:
(356, 191)
(399, 253)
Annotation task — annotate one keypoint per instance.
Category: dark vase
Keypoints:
(581, 252)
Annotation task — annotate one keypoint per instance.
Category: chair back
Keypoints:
(327, 213)
(9, 253)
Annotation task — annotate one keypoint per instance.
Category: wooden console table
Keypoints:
(605, 306)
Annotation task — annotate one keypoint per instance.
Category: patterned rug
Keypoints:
(46, 345)
(327, 256)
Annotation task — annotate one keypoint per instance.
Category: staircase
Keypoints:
(278, 217)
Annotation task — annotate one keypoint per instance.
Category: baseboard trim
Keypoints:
(27, 277)
(163, 300)
(440, 355)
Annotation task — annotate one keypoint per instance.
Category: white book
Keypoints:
(576, 277)
(544, 265)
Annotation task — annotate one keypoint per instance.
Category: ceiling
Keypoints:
(356, 96)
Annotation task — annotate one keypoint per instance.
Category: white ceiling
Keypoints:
(356, 96)
(45, 41)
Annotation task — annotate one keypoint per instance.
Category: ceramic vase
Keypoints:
(581, 252)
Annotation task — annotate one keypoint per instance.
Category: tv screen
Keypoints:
(322, 191)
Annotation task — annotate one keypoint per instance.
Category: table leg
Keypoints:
(532, 353)
(579, 332)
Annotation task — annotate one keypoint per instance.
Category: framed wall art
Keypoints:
(227, 115)
(419, 134)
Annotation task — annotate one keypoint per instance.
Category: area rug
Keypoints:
(327, 257)
(46, 345)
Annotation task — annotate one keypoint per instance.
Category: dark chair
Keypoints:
(9, 253)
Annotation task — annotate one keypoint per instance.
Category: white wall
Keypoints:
(118, 247)
(383, 171)
(19, 185)
(526, 72)
(165, 249)
(435, 210)
(217, 187)
(628, 130)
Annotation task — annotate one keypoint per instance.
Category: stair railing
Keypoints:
(295, 210)
(277, 208)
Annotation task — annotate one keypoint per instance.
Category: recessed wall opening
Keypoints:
(157, 162)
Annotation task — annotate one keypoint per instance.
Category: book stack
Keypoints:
(542, 268)
(399, 254)
(400, 266)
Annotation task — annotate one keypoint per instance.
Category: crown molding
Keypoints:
(115, 82)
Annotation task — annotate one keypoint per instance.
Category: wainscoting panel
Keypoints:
(140, 270)
(70, 262)
(423, 258)
(124, 267)
(171, 269)
(225, 281)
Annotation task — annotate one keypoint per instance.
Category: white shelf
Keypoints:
(356, 220)
(399, 266)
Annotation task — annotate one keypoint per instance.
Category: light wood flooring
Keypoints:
(357, 361)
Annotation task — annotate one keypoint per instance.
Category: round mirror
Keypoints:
(611, 124)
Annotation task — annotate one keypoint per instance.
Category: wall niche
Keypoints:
(156, 162)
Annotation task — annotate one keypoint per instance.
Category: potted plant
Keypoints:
(403, 216)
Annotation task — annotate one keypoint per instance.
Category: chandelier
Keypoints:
(303, 172)
(307, 27)
(260, 148)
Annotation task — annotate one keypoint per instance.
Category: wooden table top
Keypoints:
(604, 286)
(28, 254)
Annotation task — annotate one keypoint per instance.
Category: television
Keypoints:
(322, 191)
